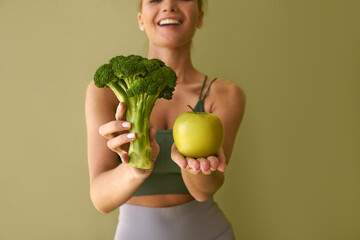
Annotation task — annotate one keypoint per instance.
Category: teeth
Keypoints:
(169, 21)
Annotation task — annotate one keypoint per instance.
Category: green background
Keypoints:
(294, 173)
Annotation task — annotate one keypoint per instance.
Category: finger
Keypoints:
(109, 130)
(214, 162)
(194, 164)
(116, 143)
(222, 161)
(192, 171)
(123, 155)
(204, 164)
(120, 111)
(177, 157)
(208, 172)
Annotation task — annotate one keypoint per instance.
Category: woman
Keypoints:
(173, 200)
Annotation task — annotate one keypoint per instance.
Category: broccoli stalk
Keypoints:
(138, 82)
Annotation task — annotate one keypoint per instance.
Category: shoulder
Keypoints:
(105, 94)
(225, 86)
(225, 93)
(99, 100)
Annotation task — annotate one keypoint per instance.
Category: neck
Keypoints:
(179, 59)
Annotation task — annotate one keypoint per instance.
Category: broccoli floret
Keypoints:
(138, 82)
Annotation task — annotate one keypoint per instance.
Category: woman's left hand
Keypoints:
(206, 165)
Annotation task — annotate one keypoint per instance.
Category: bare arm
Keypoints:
(204, 176)
(111, 184)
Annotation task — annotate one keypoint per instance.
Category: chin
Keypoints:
(173, 43)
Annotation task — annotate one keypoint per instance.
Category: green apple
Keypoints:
(198, 134)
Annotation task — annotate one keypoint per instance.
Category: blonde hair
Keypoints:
(200, 4)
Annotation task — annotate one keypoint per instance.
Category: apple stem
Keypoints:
(192, 109)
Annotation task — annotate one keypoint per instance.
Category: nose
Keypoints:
(170, 6)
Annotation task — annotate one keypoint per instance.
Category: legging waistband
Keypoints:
(193, 220)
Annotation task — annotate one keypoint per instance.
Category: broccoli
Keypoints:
(138, 82)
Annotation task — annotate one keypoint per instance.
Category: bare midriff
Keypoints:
(163, 200)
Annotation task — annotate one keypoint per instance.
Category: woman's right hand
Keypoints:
(119, 138)
(117, 133)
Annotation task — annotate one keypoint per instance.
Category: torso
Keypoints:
(171, 109)
(163, 200)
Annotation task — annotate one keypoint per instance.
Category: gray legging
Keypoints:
(189, 221)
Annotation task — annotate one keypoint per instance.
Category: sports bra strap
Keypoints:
(202, 88)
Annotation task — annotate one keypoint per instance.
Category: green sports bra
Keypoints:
(166, 176)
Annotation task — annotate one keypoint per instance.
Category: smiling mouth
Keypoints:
(169, 22)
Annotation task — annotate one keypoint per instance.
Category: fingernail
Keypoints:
(131, 135)
(126, 124)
